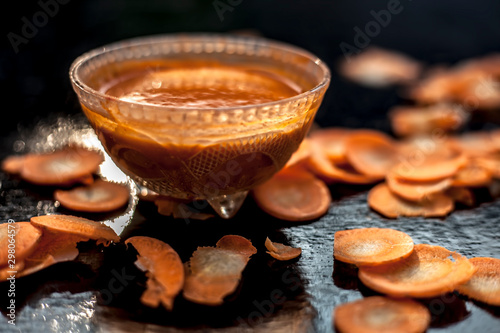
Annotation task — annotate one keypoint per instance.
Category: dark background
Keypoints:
(34, 80)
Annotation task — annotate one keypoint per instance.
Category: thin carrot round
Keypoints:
(76, 226)
(472, 175)
(166, 271)
(378, 314)
(427, 272)
(24, 238)
(484, 285)
(416, 191)
(371, 153)
(62, 167)
(332, 142)
(13, 164)
(473, 144)
(293, 196)
(101, 196)
(282, 252)
(383, 201)
(371, 246)
(237, 244)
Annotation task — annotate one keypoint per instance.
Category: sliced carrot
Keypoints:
(372, 154)
(383, 201)
(332, 142)
(293, 196)
(490, 162)
(371, 246)
(101, 196)
(437, 86)
(13, 164)
(429, 271)
(215, 272)
(461, 195)
(282, 252)
(378, 314)
(61, 167)
(237, 244)
(484, 285)
(164, 267)
(431, 168)
(77, 226)
(20, 237)
(472, 175)
(416, 191)
(474, 144)
(418, 120)
(321, 166)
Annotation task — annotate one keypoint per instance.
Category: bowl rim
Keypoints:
(180, 37)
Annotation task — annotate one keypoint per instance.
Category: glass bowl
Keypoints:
(189, 152)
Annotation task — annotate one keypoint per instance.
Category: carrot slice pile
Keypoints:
(282, 252)
(484, 285)
(293, 195)
(429, 271)
(22, 236)
(164, 268)
(215, 272)
(78, 226)
(385, 202)
(416, 191)
(101, 196)
(418, 120)
(62, 167)
(378, 314)
(371, 246)
(372, 154)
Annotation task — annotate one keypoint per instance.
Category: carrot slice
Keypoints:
(13, 164)
(416, 191)
(429, 271)
(77, 226)
(378, 314)
(371, 246)
(215, 272)
(473, 175)
(490, 162)
(383, 201)
(330, 172)
(474, 144)
(461, 195)
(418, 120)
(432, 167)
(61, 167)
(22, 237)
(164, 267)
(371, 154)
(332, 142)
(282, 252)
(484, 285)
(293, 196)
(101, 196)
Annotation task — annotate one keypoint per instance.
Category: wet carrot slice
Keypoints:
(416, 191)
(332, 142)
(13, 164)
(164, 267)
(371, 246)
(293, 196)
(371, 154)
(101, 196)
(431, 168)
(418, 120)
(378, 314)
(472, 175)
(321, 166)
(215, 272)
(484, 285)
(22, 236)
(61, 167)
(77, 226)
(383, 201)
(282, 252)
(429, 271)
